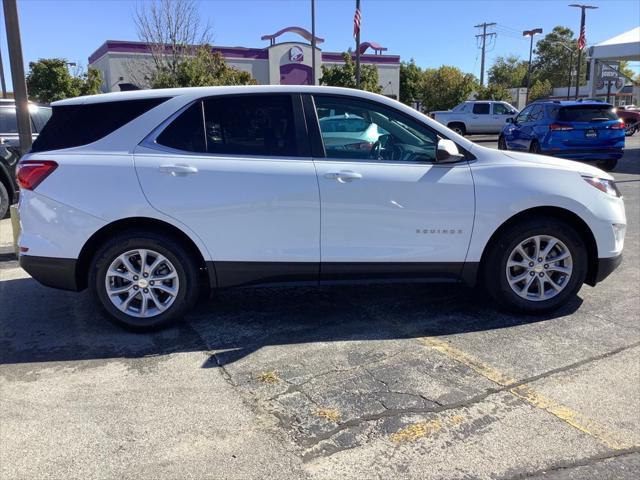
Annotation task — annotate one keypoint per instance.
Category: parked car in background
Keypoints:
(476, 117)
(630, 115)
(9, 147)
(147, 198)
(587, 131)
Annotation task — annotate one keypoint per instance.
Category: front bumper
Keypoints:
(52, 272)
(604, 268)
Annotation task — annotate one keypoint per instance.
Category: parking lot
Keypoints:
(402, 381)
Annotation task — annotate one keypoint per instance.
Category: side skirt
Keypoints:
(238, 274)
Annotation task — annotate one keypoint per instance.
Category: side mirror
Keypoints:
(447, 152)
(511, 120)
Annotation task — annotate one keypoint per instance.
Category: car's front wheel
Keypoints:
(608, 165)
(4, 201)
(535, 266)
(144, 280)
(502, 143)
(630, 128)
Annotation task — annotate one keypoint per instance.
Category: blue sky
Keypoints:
(432, 32)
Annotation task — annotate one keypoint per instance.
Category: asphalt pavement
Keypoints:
(403, 381)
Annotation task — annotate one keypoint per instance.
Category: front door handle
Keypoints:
(180, 170)
(344, 176)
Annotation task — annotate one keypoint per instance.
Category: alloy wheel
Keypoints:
(142, 283)
(539, 268)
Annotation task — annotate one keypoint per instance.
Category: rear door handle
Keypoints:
(180, 170)
(344, 176)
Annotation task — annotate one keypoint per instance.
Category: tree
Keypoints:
(205, 68)
(171, 29)
(494, 91)
(445, 87)
(552, 59)
(49, 80)
(540, 89)
(509, 71)
(345, 75)
(411, 80)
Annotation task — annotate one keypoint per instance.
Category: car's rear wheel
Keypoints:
(608, 165)
(459, 128)
(4, 200)
(534, 147)
(535, 266)
(144, 280)
(502, 143)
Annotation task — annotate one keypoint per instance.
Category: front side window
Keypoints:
(365, 130)
(481, 108)
(501, 109)
(523, 116)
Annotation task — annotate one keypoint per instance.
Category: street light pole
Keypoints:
(570, 70)
(530, 33)
(582, 39)
(313, 41)
(17, 74)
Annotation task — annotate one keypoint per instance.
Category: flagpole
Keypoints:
(313, 41)
(357, 32)
(582, 40)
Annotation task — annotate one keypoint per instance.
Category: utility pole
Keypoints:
(356, 30)
(530, 33)
(484, 36)
(313, 41)
(17, 74)
(582, 39)
(4, 84)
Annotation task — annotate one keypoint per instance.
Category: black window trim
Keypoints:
(319, 152)
(299, 121)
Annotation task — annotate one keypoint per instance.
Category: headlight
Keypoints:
(604, 185)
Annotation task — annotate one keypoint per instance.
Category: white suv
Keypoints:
(147, 197)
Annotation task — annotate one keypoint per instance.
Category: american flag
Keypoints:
(582, 39)
(356, 23)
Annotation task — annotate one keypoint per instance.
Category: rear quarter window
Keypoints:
(76, 125)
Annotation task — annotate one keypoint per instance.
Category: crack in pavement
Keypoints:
(584, 462)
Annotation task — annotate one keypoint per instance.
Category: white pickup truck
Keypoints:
(476, 117)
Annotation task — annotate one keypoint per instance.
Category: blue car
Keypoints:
(587, 131)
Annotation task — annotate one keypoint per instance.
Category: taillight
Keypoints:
(559, 127)
(619, 125)
(31, 173)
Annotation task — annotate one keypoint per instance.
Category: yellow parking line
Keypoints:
(528, 394)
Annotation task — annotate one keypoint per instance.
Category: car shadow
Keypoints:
(39, 324)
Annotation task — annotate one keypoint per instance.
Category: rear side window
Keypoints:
(250, 125)
(587, 113)
(481, 108)
(75, 125)
(40, 116)
(8, 122)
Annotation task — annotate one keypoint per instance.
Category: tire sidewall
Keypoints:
(501, 290)
(4, 201)
(173, 251)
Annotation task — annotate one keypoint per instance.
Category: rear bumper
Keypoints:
(52, 272)
(604, 268)
(587, 153)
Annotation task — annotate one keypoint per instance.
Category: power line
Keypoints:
(484, 36)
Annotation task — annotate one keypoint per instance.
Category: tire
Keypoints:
(459, 128)
(162, 308)
(630, 129)
(502, 143)
(496, 274)
(608, 165)
(534, 147)
(4, 201)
